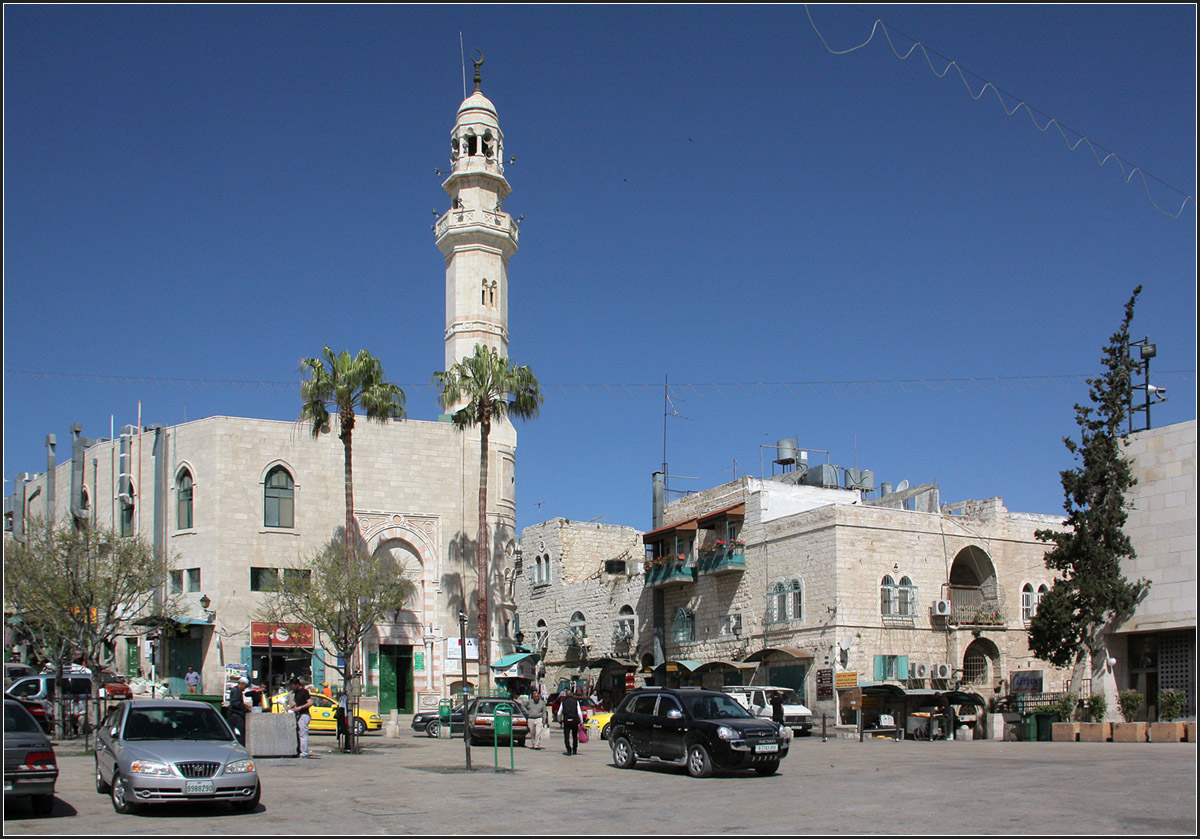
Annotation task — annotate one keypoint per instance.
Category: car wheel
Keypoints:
(118, 795)
(360, 727)
(623, 755)
(604, 731)
(101, 785)
(42, 804)
(250, 803)
(433, 729)
(699, 764)
(767, 768)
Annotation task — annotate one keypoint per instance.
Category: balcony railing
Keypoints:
(973, 606)
(722, 561)
(670, 572)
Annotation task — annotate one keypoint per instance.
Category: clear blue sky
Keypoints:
(198, 196)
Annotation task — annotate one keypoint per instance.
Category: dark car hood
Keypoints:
(745, 726)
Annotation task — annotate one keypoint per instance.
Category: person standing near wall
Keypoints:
(237, 709)
(300, 703)
(192, 680)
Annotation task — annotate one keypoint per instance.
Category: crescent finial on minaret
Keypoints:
(478, 62)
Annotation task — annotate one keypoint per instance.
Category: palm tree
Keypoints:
(344, 384)
(492, 388)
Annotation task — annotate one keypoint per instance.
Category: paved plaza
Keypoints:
(417, 785)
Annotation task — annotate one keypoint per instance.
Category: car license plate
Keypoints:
(766, 747)
(197, 787)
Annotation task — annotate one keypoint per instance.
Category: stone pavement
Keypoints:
(416, 785)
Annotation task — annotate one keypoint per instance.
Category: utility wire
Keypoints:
(1127, 176)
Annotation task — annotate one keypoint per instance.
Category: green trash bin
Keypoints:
(1029, 727)
(1045, 725)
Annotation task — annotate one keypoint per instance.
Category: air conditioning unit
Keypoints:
(920, 671)
(941, 607)
(941, 671)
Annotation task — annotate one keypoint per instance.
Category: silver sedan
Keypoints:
(160, 751)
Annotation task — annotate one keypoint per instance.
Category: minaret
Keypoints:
(476, 236)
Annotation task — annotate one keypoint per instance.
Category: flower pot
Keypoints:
(1095, 732)
(1130, 732)
(1064, 732)
(1166, 732)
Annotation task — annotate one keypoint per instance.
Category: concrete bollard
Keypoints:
(392, 727)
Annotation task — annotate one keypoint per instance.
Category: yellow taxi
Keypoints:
(599, 721)
(321, 714)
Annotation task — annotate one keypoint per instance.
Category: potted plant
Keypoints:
(1167, 730)
(1129, 702)
(1065, 730)
(1093, 728)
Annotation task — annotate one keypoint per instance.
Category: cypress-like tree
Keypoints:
(1091, 594)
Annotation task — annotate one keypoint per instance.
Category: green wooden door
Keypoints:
(387, 682)
(395, 679)
(789, 676)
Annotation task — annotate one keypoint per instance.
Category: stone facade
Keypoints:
(1156, 648)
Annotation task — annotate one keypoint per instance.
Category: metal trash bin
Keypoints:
(1044, 725)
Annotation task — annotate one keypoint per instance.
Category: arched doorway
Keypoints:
(401, 651)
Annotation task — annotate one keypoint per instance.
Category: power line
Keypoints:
(879, 24)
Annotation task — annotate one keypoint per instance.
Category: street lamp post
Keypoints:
(462, 650)
(1146, 351)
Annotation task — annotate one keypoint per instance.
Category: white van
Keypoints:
(757, 700)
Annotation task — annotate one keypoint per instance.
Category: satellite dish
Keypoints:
(903, 485)
(846, 643)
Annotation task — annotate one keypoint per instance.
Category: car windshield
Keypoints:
(175, 724)
(789, 697)
(18, 720)
(714, 707)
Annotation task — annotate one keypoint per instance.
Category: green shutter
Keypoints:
(902, 667)
(318, 668)
(247, 660)
(879, 668)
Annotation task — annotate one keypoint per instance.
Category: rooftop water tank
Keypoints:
(787, 451)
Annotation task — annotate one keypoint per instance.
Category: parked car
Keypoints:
(45, 689)
(156, 751)
(757, 700)
(480, 716)
(430, 722)
(37, 711)
(30, 766)
(321, 714)
(603, 721)
(14, 671)
(702, 730)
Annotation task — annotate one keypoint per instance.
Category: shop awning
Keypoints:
(883, 689)
(734, 665)
(162, 620)
(684, 664)
(511, 659)
(792, 651)
(601, 663)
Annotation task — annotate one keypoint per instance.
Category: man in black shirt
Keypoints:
(301, 702)
(237, 709)
(569, 712)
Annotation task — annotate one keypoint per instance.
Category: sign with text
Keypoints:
(846, 679)
(280, 634)
(454, 649)
(1025, 681)
(825, 683)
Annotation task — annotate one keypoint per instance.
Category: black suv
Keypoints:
(699, 729)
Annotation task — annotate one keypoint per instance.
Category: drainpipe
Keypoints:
(51, 463)
(18, 506)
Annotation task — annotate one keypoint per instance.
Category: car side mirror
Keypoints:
(674, 714)
(112, 732)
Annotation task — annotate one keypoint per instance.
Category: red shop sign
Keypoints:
(280, 634)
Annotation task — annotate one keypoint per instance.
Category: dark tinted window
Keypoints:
(644, 704)
(669, 703)
(175, 724)
(18, 720)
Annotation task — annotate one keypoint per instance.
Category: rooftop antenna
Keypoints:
(668, 410)
(463, 55)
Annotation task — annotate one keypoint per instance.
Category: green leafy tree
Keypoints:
(74, 588)
(1091, 594)
(343, 385)
(342, 591)
(488, 387)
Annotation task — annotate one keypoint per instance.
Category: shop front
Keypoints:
(515, 674)
(279, 651)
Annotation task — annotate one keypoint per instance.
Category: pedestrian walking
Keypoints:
(192, 680)
(300, 703)
(571, 714)
(535, 712)
(341, 716)
(238, 708)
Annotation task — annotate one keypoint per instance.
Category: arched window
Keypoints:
(887, 596)
(1041, 592)
(908, 597)
(625, 624)
(279, 502)
(578, 626)
(683, 626)
(543, 637)
(777, 603)
(183, 500)
(1027, 603)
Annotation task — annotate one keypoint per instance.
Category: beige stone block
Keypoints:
(1167, 732)
(1189, 730)
(1064, 732)
(1095, 732)
(1130, 732)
